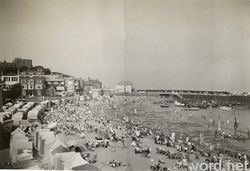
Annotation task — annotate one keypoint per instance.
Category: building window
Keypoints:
(23, 81)
(6, 79)
(39, 81)
(39, 86)
(25, 87)
(14, 79)
(31, 81)
(31, 87)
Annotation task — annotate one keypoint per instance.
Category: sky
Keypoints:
(167, 44)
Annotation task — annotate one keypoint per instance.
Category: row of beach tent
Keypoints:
(56, 154)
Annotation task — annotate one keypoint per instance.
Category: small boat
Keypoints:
(225, 108)
(165, 105)
(179, 104)
(192, 109)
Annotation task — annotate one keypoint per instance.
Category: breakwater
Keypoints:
(222, 100)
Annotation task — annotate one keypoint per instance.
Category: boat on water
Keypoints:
(176, 103)
(192, 109)
(165, 105)
(225, 108)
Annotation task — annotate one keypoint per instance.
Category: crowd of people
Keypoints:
(74, 117)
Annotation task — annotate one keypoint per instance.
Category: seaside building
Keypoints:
(105, 91)
(55, 81)
(19, 62)
(4, 64)
(33, 85)
(124, 87)
(91, 84)
(95, 93)
(71, 84)
(9, 81)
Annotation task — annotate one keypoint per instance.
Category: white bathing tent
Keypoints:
(18, 143)
(47, 148)
(16, 134)
(45, 103)
(56, 147)
(34, 114)
(44, 136)
(17, 117)
(19, 105)
(36, 137)
(60, 158)
(3, 115)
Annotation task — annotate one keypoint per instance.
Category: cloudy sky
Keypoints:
(194, 44)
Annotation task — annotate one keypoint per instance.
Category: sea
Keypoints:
(194, 124)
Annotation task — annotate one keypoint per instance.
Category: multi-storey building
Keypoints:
(91, 84)
(9, 81)
(33, 85)
(72, 84)
(19, 62)
(124, 87)
(55, 81)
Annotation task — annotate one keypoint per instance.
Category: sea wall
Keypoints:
(231, 99)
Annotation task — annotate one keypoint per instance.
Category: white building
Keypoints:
(124, 87)
(96, 93)
(72, 84)
(10, 80)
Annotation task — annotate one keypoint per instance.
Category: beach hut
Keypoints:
(17, 146)
(56, 147)
(16, 134)
(36, 137)
(33, 115)
(47, 149)
(4, 116)
(44, 136)
(24, 110)
(17, 117)
(60, 158)
(45, 103)
(18, 105)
